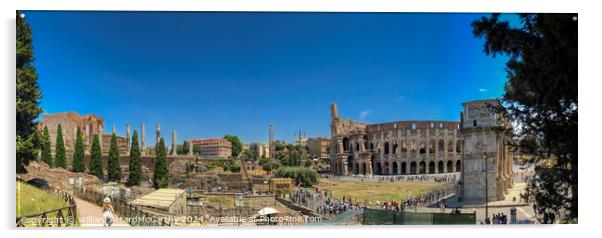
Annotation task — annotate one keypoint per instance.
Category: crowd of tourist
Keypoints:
(324, 203)
(446, 178)
(499, 218)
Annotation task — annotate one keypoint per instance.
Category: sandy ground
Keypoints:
(90, 215)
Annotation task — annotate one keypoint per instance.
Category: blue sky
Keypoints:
(210, 74)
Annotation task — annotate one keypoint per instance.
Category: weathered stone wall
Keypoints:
(90, 125)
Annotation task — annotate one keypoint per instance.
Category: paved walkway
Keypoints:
(90, 215)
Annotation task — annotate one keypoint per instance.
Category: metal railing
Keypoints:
(130, 213)
(64, 216)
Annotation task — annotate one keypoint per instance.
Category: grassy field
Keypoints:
(31, 200)
(377, 191)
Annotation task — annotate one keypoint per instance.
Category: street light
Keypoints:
(486, 188)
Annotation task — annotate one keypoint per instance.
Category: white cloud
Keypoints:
(364, 114)
(483, 90)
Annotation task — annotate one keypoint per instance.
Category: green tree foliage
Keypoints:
(161, 173)
(236, 144)
(46, 148)
(60, 155)
(541, 98)
(247, 155)
(78, 154)
(267, 164)
(279, 146)
(114, 168)
(182, 149)
(227, 164)
(135, 164)
(96, 167)
(305, 177)
(27, 96)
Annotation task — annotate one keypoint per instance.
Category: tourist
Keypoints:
(107, 212)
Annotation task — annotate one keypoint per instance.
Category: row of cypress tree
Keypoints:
(160, 175)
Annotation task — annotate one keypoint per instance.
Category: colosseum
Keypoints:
(476, 146)
(394, 148)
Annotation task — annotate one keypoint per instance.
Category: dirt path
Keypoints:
(90, 215)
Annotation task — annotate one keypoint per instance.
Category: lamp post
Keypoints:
(486, 188)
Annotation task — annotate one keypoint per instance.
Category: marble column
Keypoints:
(190, 145)
(158, 132)
(142, 139)
(173, 142)
(100, 132)
(128, 139)
(87, 135)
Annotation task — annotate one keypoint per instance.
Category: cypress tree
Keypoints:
(161, 173)
(46, 148)
(60, 155)
(96, 158)
(78, 154)
(135, 163)
(114, 168)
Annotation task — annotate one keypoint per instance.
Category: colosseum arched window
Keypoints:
(432, 147)
(387, 148)
(403, 168)
(346, 144)
(422, 147)
(450, 146)
(431, 167)
(441, 145)
(458, 146)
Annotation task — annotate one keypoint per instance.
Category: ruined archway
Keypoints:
(432, 146)
(413, 167)
(395, 168)
(450, 166)
(386, 148)
(441, 145)
(386, 168)
(403, 168)
(458, 146)
(379, 169)
(440, 167)
(422, 167)
(350, 164)
(458, 166)
(431, 167)
(346, 144)
(364, 169)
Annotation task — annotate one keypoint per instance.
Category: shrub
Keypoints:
(303, 176)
